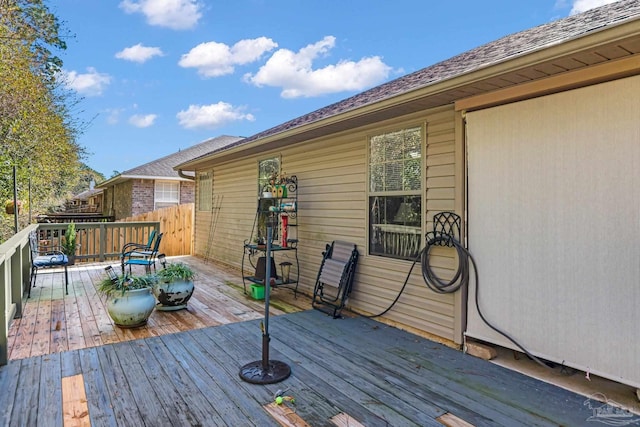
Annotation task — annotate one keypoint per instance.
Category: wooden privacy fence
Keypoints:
(176, 222)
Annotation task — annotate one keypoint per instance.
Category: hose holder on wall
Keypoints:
(446, 230)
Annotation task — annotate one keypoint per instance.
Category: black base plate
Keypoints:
(255, 373)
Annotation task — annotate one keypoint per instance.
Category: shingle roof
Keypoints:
(500, 50)
(86, 194)
(163, 167)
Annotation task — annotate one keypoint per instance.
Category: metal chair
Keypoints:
(133, 246)
(46, 257)
(335, 277)
(142, 257)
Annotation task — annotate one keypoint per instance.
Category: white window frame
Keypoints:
(156, 193)
(399, 241)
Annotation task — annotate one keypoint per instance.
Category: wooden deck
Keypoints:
(351, 370)
(53, 322)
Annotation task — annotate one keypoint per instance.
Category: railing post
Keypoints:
(4, 307)
(103, 242)
(16, 281)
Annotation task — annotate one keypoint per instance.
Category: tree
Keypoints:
(37, 131)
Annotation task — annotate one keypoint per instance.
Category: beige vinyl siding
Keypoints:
(332, 205)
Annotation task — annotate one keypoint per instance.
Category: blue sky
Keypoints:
(157, 76)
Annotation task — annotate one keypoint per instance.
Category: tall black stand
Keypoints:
(266, 371)
(15, 201)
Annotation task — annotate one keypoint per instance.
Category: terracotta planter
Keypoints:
(9, 208)
(131, 309)
(173, 295)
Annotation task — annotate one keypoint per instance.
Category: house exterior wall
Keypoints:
(142, 196)
(333, 204)
(187, 192)
(122, 194)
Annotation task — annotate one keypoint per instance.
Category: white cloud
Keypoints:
(294, 72)
(139, 53)
(214, 59)
(584, 5)
(211, 116)
(174, 14)
(142, 121)
(91, 83)
(113, 115)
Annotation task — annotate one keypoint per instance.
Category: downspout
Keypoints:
(182, 175)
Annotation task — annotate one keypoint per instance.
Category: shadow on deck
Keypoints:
(351, 371)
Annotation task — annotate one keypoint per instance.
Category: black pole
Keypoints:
(267, 289)
(266, 371)
(29, 197)
(15, 201)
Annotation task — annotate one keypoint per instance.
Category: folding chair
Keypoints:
(335, 277)
(142, 257)
(44, 257)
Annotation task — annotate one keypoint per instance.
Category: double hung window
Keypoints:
(395, 193)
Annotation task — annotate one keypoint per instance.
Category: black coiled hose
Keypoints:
(460, 279)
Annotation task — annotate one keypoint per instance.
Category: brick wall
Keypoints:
(187, 192)
(142, 191)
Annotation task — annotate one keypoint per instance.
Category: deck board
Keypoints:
(50, 392)
(182, 368)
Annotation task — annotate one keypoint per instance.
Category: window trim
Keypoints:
(155, 192)
(422, 125)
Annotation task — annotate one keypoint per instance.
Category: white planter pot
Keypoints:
(131, 309)
(174, 295)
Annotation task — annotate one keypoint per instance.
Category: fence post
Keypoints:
(103, 242)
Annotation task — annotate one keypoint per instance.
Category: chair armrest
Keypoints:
(136, 254)
(131, 246)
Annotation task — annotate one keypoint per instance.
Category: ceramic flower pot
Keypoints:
(173, 295)
(131, 309)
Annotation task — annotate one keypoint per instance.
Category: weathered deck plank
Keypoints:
(150, 406)
(377, 374)
(168, 373)
(245, 346)
(345, 391)
(122, 401)
(50, 395)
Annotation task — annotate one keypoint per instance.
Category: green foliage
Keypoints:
(175, 271)
(125, 283)
(69, 244)
(37, 131)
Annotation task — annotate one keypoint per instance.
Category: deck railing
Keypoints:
(98, 241)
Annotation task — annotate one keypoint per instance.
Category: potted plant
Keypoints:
(174, 286)
(70, 243)
(10, 209)
(129, 298)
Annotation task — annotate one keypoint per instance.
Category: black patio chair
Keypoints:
(46, 257)
(147, 258)
(335, 277)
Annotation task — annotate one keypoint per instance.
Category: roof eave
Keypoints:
(122, 178)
